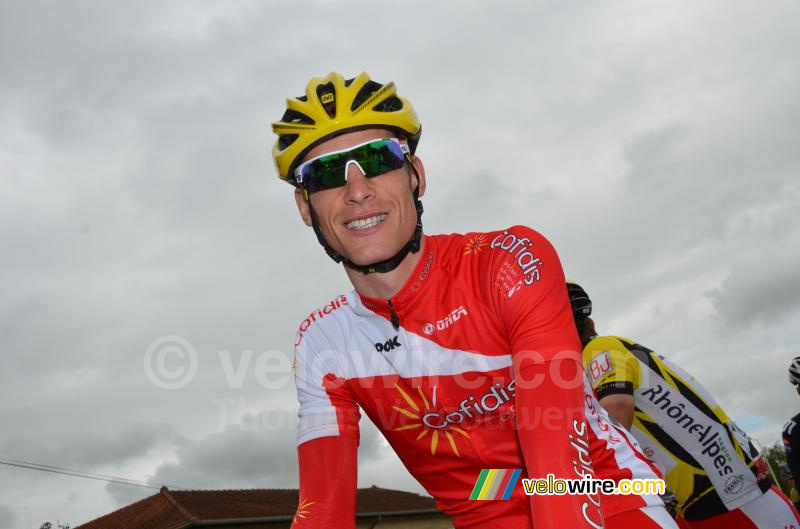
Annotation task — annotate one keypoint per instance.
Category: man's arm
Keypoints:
(549, 391)
(613, 373)
(791, 444)
(621, 407)
(327, 441)
(328, 470)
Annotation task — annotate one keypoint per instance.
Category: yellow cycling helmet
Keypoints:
(334, 105)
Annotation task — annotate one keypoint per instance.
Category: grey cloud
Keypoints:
(251, 454)
(466, 206)
(467, 196)
(653, 157)
(7, 518)
(249, 457)
(759, 289)
(77, 450)
(122, 495)
(767, 395)
(379, 465)
(704, 183)
(372, 443)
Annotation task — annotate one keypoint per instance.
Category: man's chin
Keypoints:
(364, 253)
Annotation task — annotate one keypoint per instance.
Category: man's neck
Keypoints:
(386, 284)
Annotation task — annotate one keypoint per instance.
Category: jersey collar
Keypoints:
(413, 286)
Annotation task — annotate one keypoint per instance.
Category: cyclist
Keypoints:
(460, 348)
(716, 474)
(791, 431)
(788, 477)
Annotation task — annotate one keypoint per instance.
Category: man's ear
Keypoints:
(420, 168)
(303, 205)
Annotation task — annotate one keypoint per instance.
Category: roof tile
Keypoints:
(172, 509)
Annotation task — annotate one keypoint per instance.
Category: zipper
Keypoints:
(393, 314)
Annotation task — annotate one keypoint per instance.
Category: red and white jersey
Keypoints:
(474, 364)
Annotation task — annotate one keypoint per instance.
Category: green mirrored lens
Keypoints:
(375, 158)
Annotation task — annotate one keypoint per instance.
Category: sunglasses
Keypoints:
(374, 158)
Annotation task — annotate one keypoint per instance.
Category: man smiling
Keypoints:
(460, 348)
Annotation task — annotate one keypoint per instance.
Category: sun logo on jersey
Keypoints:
(302, 511)
(418, 412)
(475, 244)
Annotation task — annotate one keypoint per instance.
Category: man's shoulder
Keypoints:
(604, 354)
(791, 426)
(324, 319)
(616, 344)
(475, 242)
(491, 250)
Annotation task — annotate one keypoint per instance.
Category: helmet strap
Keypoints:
(412, 246)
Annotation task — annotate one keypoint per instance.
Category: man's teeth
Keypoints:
(362, 224)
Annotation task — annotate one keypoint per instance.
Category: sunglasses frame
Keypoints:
(298, 172)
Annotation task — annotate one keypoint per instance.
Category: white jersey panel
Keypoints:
(351, 342)
(617, 440)
(703, 437)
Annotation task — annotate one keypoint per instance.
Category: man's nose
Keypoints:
(358, 186)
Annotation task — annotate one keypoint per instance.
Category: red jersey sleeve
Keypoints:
(327, 436)
(328, 476)
(529, 293)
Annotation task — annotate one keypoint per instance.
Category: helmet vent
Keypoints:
(285, 140)
(391, 104)
(369, 88)
(327, 96)
(293, 116)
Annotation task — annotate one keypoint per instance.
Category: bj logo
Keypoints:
(599, 366)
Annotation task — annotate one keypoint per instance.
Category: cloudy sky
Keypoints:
(656, 143)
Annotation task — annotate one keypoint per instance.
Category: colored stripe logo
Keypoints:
(495, 484)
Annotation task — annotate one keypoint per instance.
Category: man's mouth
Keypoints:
(363, 224)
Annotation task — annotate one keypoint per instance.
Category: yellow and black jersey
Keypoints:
(709, 464)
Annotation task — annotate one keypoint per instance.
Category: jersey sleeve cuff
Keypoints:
(614, 388)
